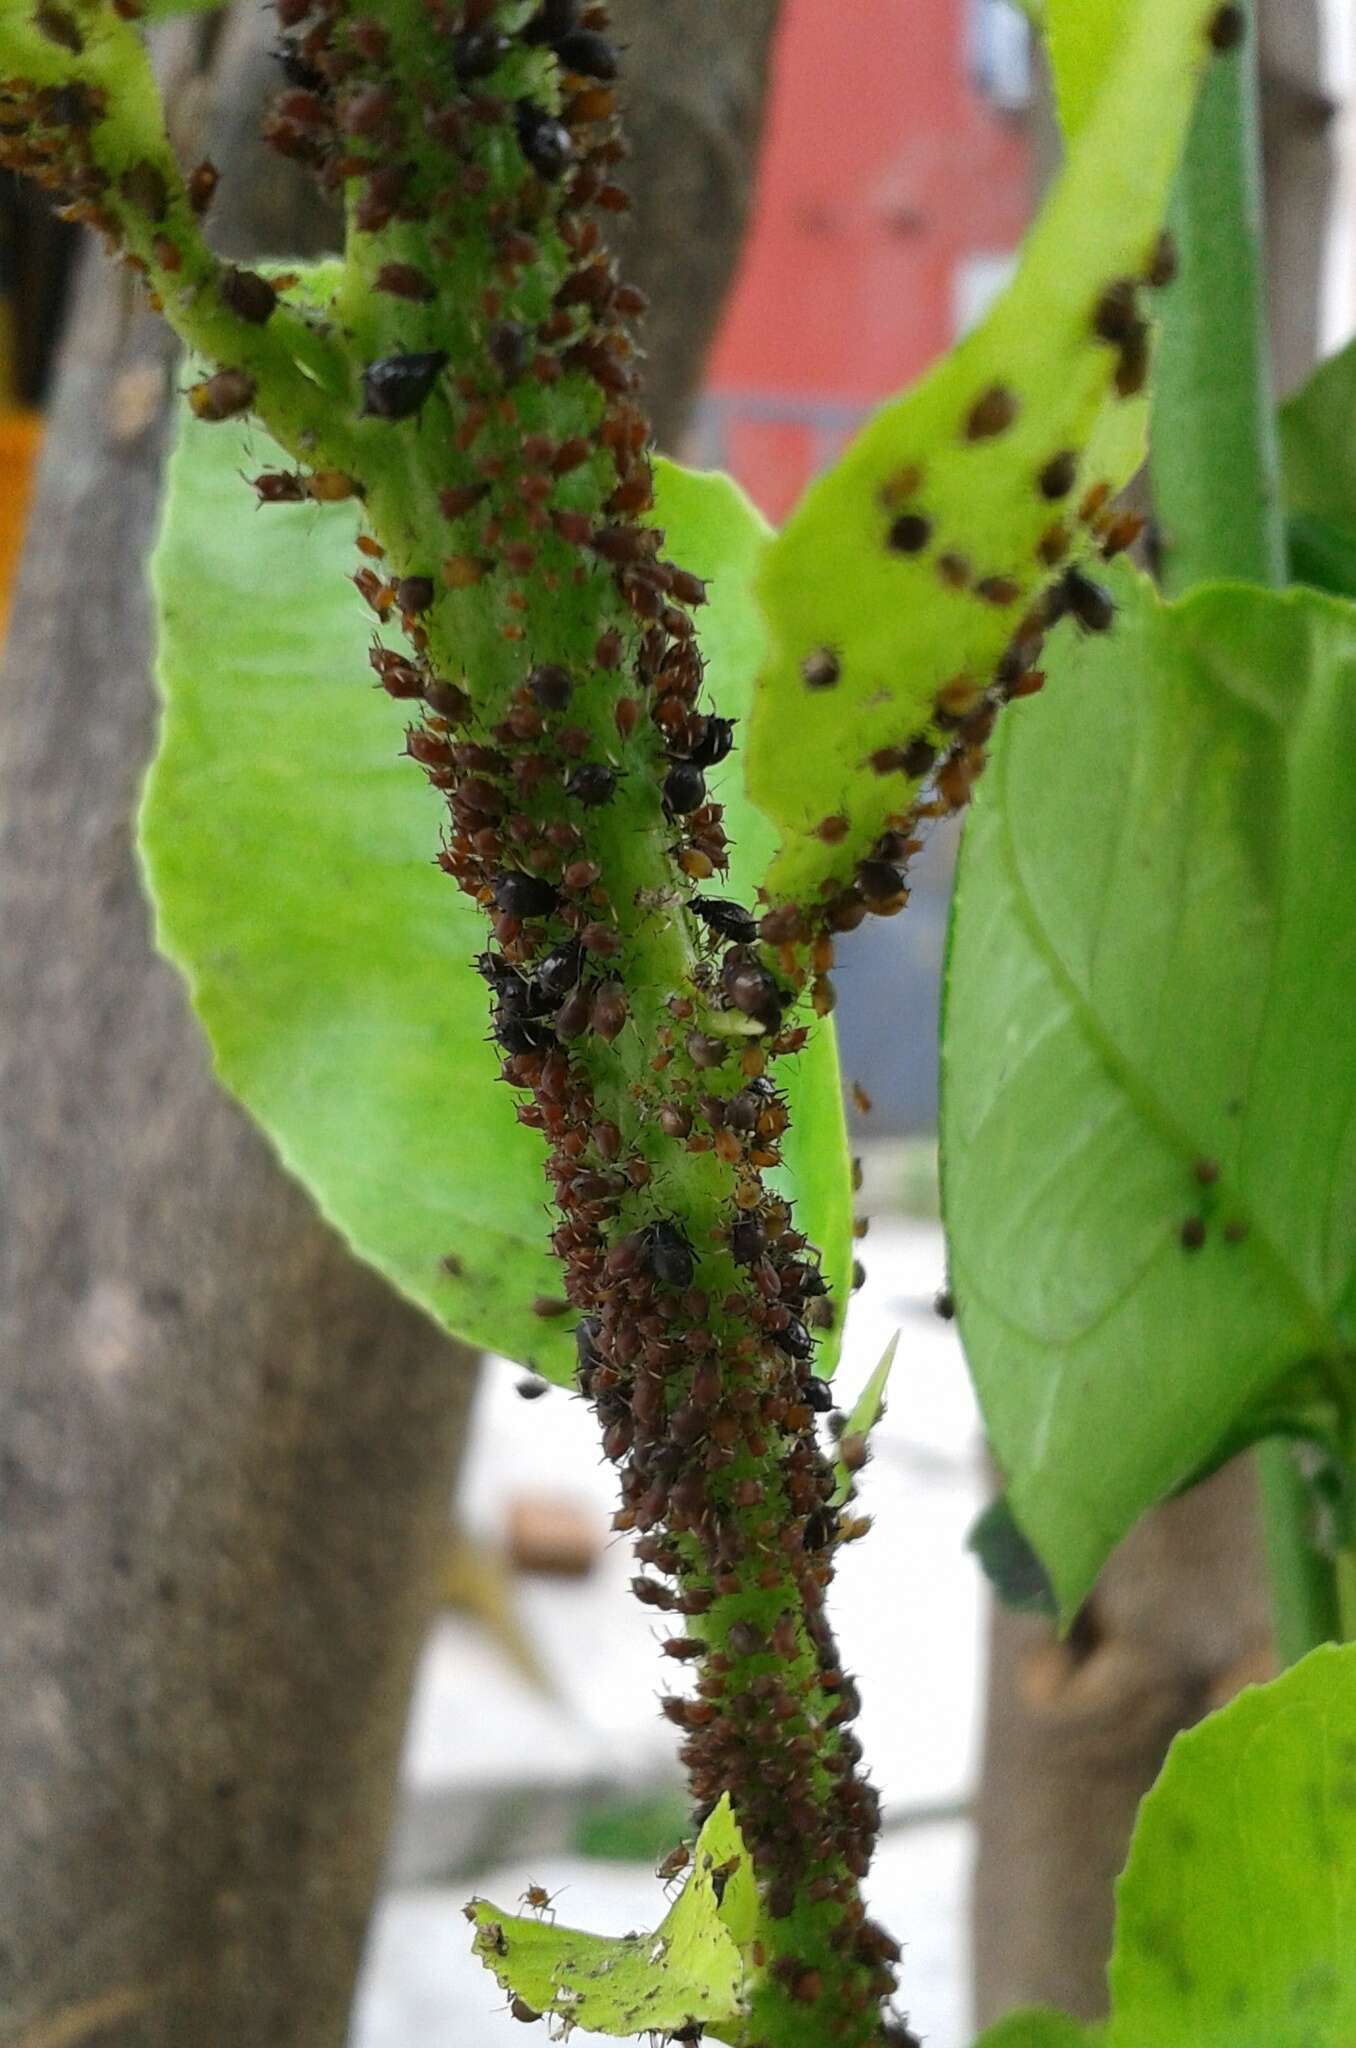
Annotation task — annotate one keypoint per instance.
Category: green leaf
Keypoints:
(1317, 427)
(689, 1972)
(1038, 2029)
(1236, 1913)
(832, 585)
(289, 849)
(866, 1413)
(1148, 1115)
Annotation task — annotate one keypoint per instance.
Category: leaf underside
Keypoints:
(1149, 1077)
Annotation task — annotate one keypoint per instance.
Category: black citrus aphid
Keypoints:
(585, 51)
(414, 594)
(909, 533)
(1059, 475)
(711, 742)
(1091, 605)
(476, 52)
(523, 1034)
(1228, 26)
(395, 387)
(556, 19)
(795, 1340)
(544, 140)
(731, 920)
(817, 1394)
(559, 972)
(522, 895)
(1192, 1234)
(684, 788)
(532, 1390)
(591, 784)
(668, 1254)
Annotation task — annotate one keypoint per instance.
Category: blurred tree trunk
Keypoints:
(226, 1449)
(1077, 1732)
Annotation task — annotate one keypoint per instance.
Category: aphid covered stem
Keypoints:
(471, 375)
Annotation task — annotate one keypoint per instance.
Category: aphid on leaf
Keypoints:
(280, 487)
(675, 1863)
(1091, 605)
(396, 386)
(222, 396)
(910, 533)
(993, 412)
(532, 1389)
(820, 669)
(1059, 475)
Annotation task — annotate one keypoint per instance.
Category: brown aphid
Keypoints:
(954, 570)
(1053, 544)
(521, 2010)
(1121, 532)
(820, 669)
(460, 572)
(675, 1863)
(993, 412)
(1116, 317)
(861, 1100)
(540, 1901)
(1206, 1172)
(1132, 368)
(203, 180)
(280, 487)
(222, 396)
(1192, 1234)
(998, 590)
(1161, 268)
(832, 831)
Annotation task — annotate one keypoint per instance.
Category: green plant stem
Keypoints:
(1215, 476)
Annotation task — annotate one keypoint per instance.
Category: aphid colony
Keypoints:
(697, 1313)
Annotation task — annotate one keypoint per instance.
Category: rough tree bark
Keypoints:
(1076, 1733)
(225, 1448)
